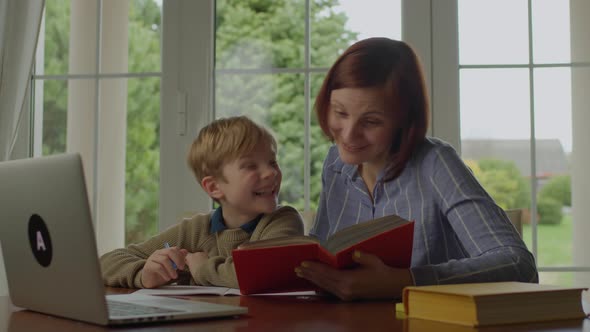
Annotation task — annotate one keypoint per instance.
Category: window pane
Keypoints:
(553, 131)
(55, 38)
(54, 98)
(495, 103)
(568, 279)
(142, 159)
(551, 31)
(334, 28)
(69, 37)
(261, 34)
(145, 31)
(319, 146)
(493, 31)
(76, 53)
(58, 108)
(277, 102)
(553, 105)
(554, 242)
(495, 131)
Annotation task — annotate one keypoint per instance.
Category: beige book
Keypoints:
(494, 303)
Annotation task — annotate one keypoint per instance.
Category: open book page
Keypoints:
(362, 231)
(278, 242)
(262, 268)
(338, 241)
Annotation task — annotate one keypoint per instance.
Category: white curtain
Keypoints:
(19, 28)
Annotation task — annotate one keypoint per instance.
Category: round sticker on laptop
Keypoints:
(40, 240)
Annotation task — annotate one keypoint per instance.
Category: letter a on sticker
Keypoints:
(40, 242)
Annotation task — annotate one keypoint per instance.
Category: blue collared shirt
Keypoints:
(460, 234)
(218, 225)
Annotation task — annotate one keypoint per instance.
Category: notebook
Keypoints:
(50, 253)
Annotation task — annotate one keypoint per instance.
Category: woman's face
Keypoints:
(362, 125)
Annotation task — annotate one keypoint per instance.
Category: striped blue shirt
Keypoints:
(460, 234)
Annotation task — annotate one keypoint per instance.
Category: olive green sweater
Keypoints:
(123, 267)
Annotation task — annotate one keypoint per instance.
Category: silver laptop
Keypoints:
(50, 251)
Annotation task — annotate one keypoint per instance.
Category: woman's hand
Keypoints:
(372, 279)
(159, 270)
(195, 260)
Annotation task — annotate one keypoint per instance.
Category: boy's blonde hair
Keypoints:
(223, 141)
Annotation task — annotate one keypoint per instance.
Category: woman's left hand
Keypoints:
(372, 279)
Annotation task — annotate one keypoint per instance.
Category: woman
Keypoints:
(373, 106)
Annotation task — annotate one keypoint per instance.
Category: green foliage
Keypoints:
(552, 197)
(143, 109)
(258, 34)
(143, 123)
(253, 34)
(55, 101)
(559, 189)
(549, 211)
(503, 181)
(554, 248)
(510, 189)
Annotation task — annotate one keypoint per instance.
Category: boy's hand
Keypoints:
(158, 270)
(195, 260)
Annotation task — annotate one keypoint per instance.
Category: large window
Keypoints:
(516, 118)
(270, 60)
(96, 92)
(506, 80)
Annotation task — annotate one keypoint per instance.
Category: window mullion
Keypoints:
(534, 228)
(307, 118)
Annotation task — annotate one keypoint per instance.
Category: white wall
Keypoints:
(580, 44)
(187, 69)
(3, 285)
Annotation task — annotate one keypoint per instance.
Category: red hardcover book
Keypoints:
(268, 266)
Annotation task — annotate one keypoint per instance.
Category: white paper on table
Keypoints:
(188, 290)
(301, 293)
(207, 290)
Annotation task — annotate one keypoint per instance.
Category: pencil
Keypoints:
(167, 245)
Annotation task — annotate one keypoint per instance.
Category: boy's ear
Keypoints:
(209, 184)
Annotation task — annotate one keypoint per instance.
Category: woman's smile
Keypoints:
(353, 147)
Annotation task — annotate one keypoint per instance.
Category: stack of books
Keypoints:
(494, 303)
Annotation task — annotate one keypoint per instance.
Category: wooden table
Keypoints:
(279, 313)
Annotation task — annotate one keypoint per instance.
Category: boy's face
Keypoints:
(251, 185)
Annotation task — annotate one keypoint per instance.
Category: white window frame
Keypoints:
(186, 102)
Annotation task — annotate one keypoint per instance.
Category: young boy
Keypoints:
(234, 160)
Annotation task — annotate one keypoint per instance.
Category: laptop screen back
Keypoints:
(47, 238)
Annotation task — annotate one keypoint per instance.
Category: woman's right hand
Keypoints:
(159, 270)
(371, 279)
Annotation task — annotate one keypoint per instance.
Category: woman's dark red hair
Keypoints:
(394, 66)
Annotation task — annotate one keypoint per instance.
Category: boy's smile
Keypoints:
(266, 192)
(257, 173)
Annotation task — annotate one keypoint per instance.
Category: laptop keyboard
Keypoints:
(119, 309)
